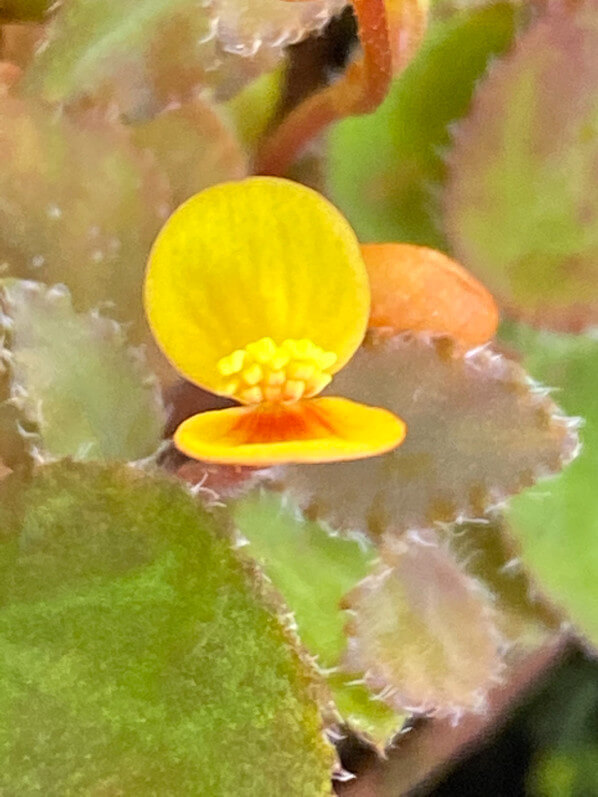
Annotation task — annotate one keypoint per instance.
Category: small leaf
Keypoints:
(79, 205)
(167, 45)
(137, 655)
(556, 523)
(89, 42)
(74, 377)
(477, 432)
(521, 209)
(193, 147)
(312, 571)
(253, 109)
(382, 168)
(423, 632)
(486, 552)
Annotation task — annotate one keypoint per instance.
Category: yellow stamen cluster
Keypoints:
(263, 371)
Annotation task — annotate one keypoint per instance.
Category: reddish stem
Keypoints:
(360, 90)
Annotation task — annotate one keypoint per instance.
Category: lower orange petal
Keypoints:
(314, 430)
(421, 290)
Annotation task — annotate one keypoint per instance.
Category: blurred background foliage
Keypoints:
(415, 593)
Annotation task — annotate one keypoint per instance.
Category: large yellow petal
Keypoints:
(325, 429)
(242, 261)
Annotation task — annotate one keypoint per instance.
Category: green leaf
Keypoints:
(399, 645)
(253, 109)
(242, 22)
(565, 773)
(566, 761)
(166, 45)
(80, 205)
(312, 571)
(384, 170)
(477, 432)
(556, 523)
(423, 632)
(74, 378)
(137, 656)
(90, 40)
(521, 209)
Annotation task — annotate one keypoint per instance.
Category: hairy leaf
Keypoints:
(521, 209)
(167, 45)
(423, 632)
(74, 378)
(79, 205)
(477, 432)
(556, 523)
(194, 148)
(312, 571)
(384, 169)
(137, 656)
(245, 25)
(486, 552)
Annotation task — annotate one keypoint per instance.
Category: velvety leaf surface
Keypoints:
(245, 25)
(384, 170)
(92, 41)
(521, 209)
(312, 571)
(486, 552)
(182, 58)
(556, 523)
(193, 147)
(477, 432)
(137, 657)
(73, 377)
(79, 205)
(423, 632)
(89, 42)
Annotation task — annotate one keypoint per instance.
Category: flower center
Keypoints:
(263, 371)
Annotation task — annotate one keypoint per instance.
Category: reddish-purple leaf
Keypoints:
(423, 632)
(478, 431)
(521, 208)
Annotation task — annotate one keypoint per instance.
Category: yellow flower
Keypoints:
(257, 290)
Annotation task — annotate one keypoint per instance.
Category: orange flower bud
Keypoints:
(418, 289)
